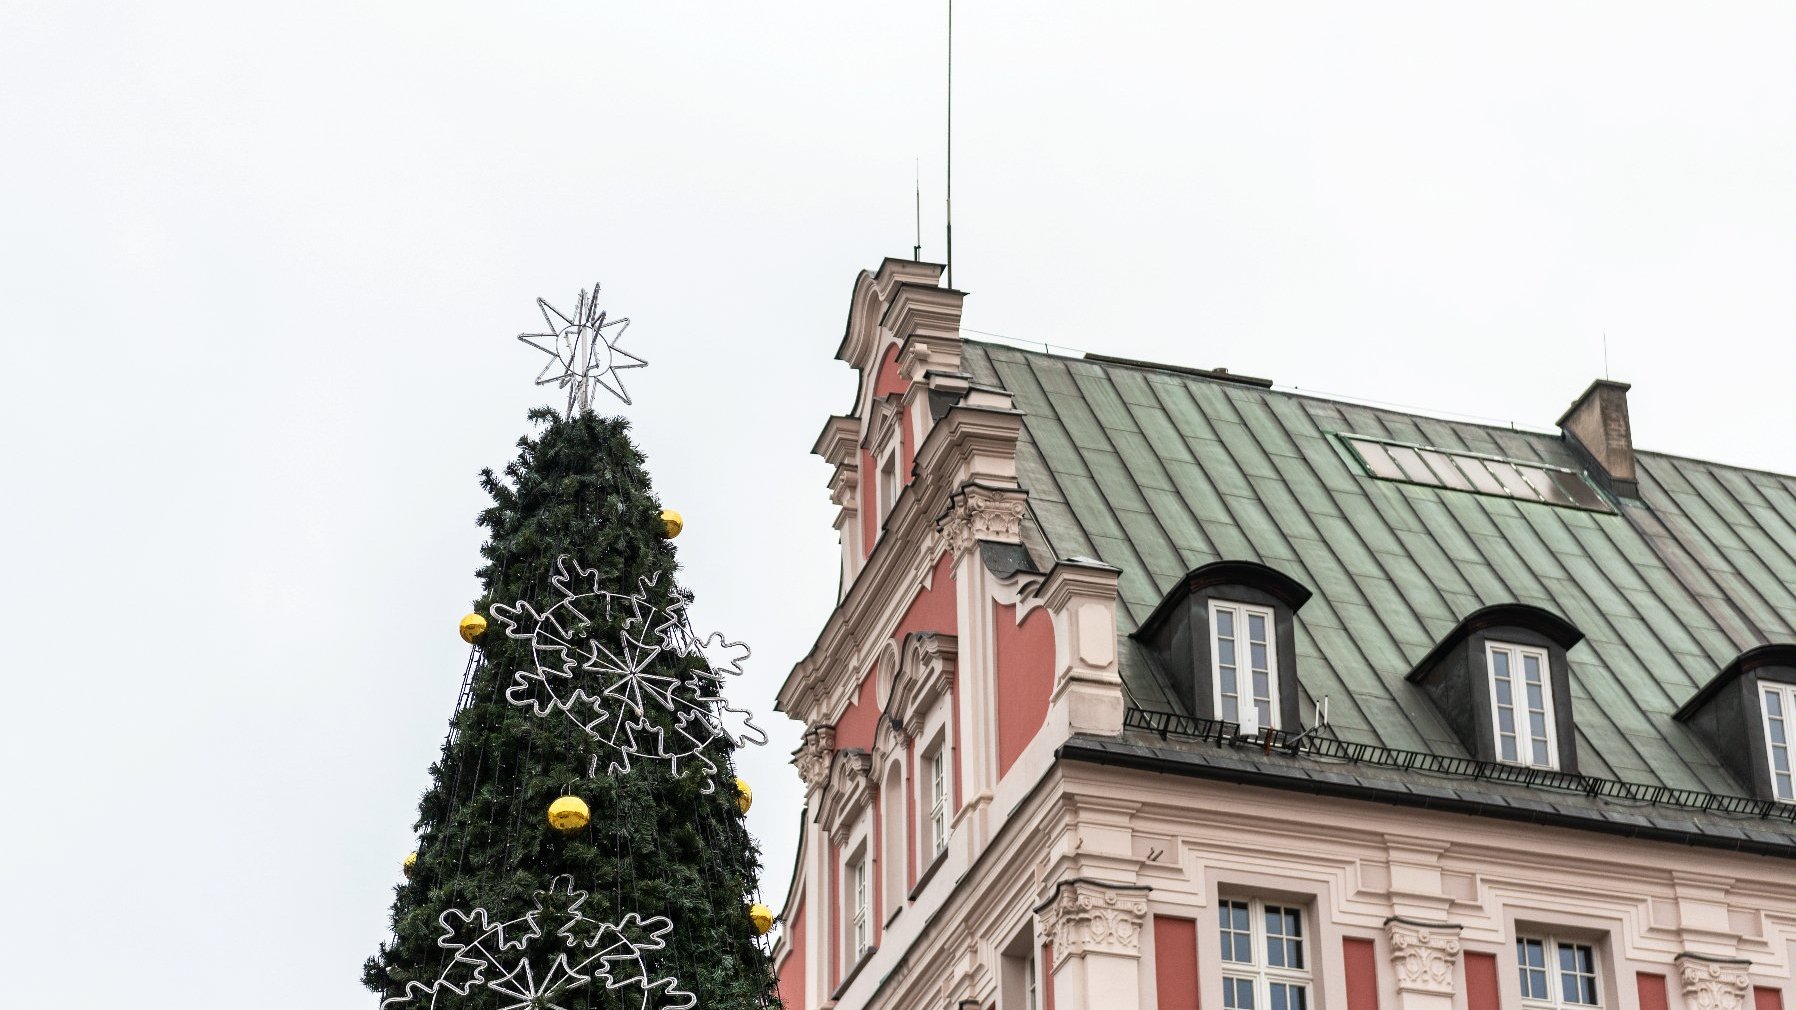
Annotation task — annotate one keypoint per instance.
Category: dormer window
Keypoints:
(1778, 703)
(1501, 682)
(1746, 715)
(1225, 640)
(1243, 664)
(1521, 703)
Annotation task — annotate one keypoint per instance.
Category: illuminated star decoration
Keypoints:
(582, 351)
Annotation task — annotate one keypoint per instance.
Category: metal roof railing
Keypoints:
(1227, 734)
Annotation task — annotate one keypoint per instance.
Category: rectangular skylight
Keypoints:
(1474, 472)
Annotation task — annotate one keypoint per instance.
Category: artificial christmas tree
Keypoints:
(588, 687)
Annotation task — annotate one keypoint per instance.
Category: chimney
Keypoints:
(1596, 426)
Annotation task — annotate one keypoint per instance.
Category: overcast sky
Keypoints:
(261, 268)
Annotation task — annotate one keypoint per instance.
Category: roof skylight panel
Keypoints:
(1449, 469)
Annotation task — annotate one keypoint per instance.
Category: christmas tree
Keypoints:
(581, 844)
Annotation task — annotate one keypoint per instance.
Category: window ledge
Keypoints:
(928, 872)
(848, 979)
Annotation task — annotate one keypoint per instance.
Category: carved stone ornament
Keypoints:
(1088, 916)
(1423, 954)
(815, 755)
(1711, 984)
(978, 513)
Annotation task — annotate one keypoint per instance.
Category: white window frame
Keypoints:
(1783, 783)
(1516, 656)
(1554, 971)
(1031, 993)
(1259, 972)
(890, 487)
(936, 792)
(860, 906)
(1240, 613)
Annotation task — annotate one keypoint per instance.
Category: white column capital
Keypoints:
(1093, 917)
(1423, 954)
(1713, 983)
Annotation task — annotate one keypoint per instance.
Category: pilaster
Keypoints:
(1095, 927)
(1080, 595)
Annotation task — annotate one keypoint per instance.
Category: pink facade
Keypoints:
(966, 759)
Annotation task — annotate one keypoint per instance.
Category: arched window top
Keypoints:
(1282, 588)
(1497, 618)
(1777, 654)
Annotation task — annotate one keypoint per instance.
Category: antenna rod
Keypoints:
(916, 251)
(950, 187)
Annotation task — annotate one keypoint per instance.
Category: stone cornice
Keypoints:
(1423, 954)
(1093, 916)
(848, 793)
(835, 443)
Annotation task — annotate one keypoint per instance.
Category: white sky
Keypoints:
(261, 267)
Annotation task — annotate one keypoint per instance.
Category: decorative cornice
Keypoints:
(978, 513)
(1713, 984)
(814, 756)
(1423, 954)
(1093, 916)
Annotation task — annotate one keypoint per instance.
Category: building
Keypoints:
(1158, 687)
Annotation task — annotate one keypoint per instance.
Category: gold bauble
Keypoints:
(762, 917)
(411, 863)
(472, 627)
(672, 523)
(745, 797)
(569, 814)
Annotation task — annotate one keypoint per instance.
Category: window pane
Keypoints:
(1499, 664)
(1231, 709)
(1237, 994)
(1445, 471)
(1377, 460)
(1225, 651)
(1261, 685)
(1774, 702)
(1786, 787)
(1541, 757)
(1479, 476)
(1256, 628)
(1508, 748)
(1506, 721)
(1257, 655)
(1225, 623)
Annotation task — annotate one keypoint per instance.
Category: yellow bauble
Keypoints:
(569, 814)
(745, 797)
(762, 917)
(672, 523)
(472, 627)
(411, 861)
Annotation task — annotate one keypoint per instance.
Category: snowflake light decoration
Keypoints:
(597, 659)
(536, 960)
(582, 351)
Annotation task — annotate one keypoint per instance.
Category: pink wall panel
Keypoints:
(1652, 990)
(1764, 998)
(792, 969)
(1046, 977)
(1481, 981)
(1359, 962)
(1175, 962)
(1025, 657)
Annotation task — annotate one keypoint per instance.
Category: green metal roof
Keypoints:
(1157, 470)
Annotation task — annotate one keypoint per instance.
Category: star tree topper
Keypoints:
(582, 351)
